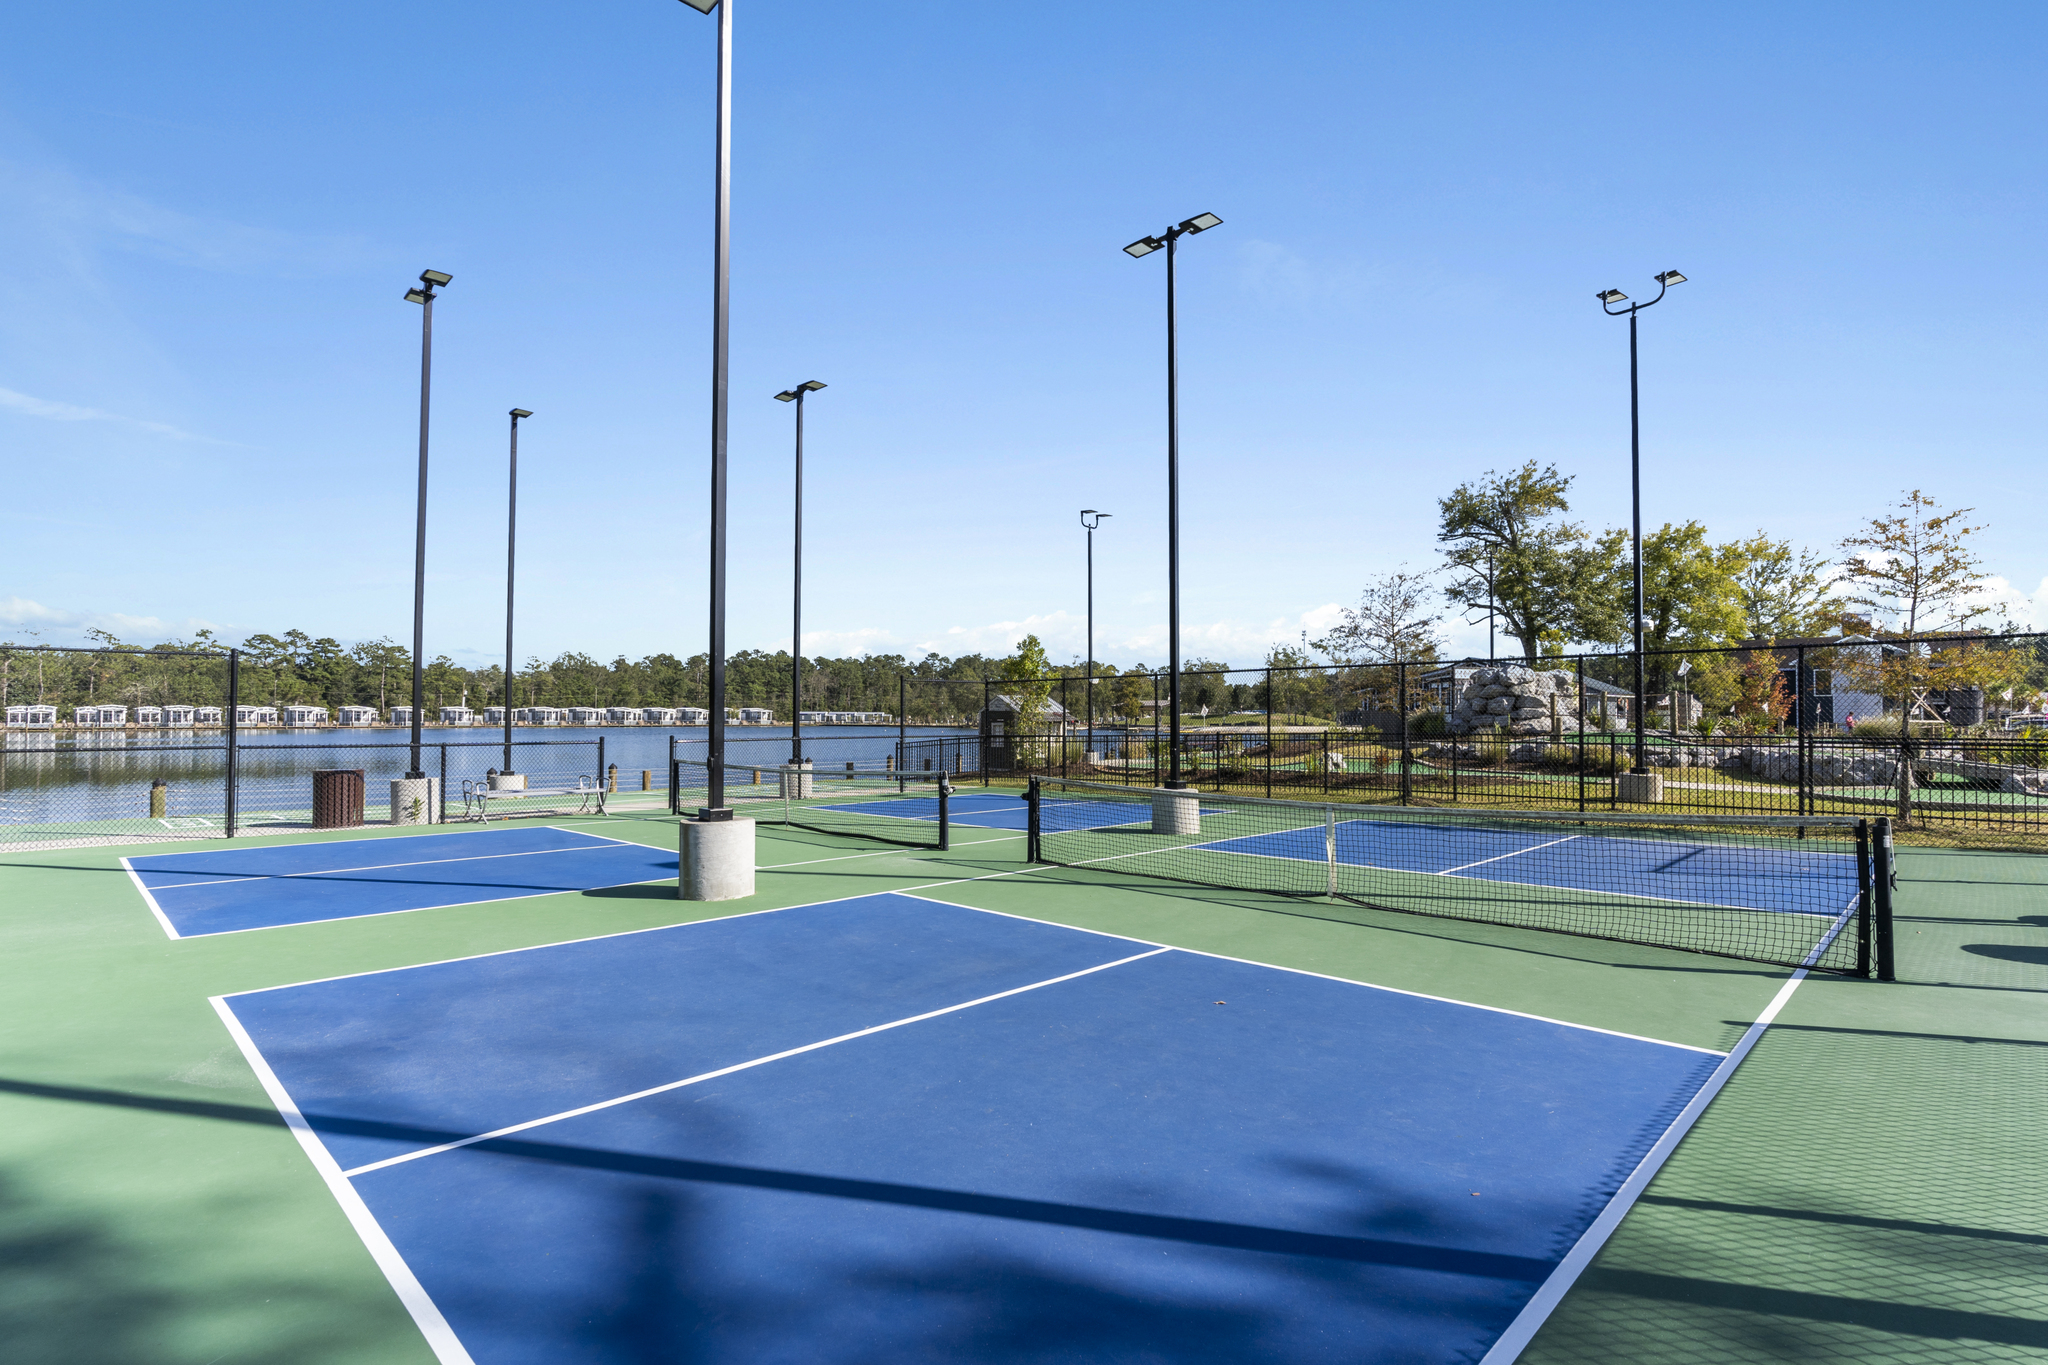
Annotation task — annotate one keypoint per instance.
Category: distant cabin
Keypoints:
(99, 716)
(847, 717)
(542, 715)
(305, 717)
(255, 715)
(206, 715)
(358, 715)
(586, 715)
(756, 715)
(150, 716)
(692, 715)
(622, 715)
(657, 715)
(457, 715)
(401, 715)
(178, 717)
(32, 717)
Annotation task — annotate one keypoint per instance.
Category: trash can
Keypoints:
(337, 798)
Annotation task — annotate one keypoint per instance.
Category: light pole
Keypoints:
(511, 546)
(721, 356)
(1145, 246)
(430, 280)
(1100, 517)
(796, 624)
(1608, 298)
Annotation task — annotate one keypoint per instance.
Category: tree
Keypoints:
(1027, 677)
(1917, 567)
(1204, 686)
(1390, 623)
(1784, 592)
(1509, 553)
(1761, 698)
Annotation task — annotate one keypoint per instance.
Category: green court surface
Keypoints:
(1872, 1184)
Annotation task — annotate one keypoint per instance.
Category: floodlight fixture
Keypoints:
(811, 384)
(702, 6)
(1201, 222)
(415, 296)
(1611, 296)
(521, 412)
(1144, 246)
(1669, 278)
(786, 396)
(435, 277)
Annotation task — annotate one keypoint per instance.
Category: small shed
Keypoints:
(358, 715)
(35, 717)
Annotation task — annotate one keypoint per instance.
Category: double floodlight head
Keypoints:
(431, 279)
(520, 412)
(1201, 222)
(1611, 296)
(1088, 512)
(791, 395)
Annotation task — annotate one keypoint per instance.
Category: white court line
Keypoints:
(149, 900)
(1346, 980)
(385, 867)
(742, 1066)
(1516, 854)
(447, 1347)
(1551, 1292)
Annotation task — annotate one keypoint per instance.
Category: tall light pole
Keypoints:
(430, 280)
(511, 546)
(796, 622)
(1100, 517)
(1145, 246)
(1608, 298)
(721, 356)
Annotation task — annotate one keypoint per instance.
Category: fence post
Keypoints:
(1269, 733)
(441, 790)
(1401, 712)
(903, 732)
(1579, 670)
(986, 690)
(233, 737)
(1803, 764)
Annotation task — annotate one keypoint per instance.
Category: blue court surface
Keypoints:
(223, 891)
(893, 1129)
(1786, 879)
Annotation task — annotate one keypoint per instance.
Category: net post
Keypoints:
(945, 813)
(1863, 898)
(1401, 723)
(1032, 828)
(903, 741)
(1579, 670)
(1269, 734)
(673, 774)
(1887, 963)
(986, 690)
(441, 791)
(1330, 846)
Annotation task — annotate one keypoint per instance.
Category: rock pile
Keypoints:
(1520, 700)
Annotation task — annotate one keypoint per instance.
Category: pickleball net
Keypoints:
(1799, 891)
(909, 808)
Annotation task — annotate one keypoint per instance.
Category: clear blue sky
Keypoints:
(208, 216)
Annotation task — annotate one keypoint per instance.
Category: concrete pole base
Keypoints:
(1640, 789)
(796, 786)
(1176, 812)
(716, 860)
(415, 800)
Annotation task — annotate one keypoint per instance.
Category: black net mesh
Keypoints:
(907, 808)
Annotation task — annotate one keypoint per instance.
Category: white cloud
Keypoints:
(42, 625)
(70, 412)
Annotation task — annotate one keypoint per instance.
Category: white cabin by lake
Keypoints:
(179, 717)
(622, 715)
(150, 716)
(99, 717)
(657, 715)
(304, 717)
(32, 717)
(541, 715)
(206, 715)
(358, 715)
(401, 715)
(457, 715)
(753, 715)
(692, 715)
(255, 715)
(586, 715)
